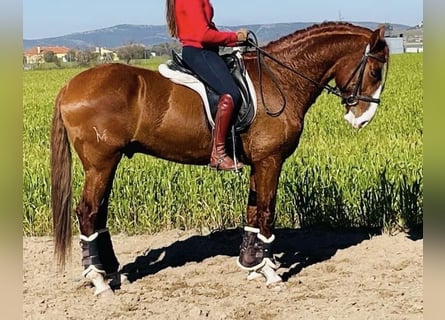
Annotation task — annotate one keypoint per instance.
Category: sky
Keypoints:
(52, 18)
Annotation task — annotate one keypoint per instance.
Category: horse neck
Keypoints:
(315, 53)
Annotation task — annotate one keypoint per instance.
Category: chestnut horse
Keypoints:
(113, 110)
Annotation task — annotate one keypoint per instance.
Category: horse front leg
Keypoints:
(256, 254)
(98, 257)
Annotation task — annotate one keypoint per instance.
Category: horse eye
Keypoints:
(376, 74)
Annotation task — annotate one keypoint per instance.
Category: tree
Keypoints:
(48, 56)
(131, 51)
(86, 57)
(71, 56)
(166, 48)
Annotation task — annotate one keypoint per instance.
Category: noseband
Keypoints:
(354, 98)
(350, 100)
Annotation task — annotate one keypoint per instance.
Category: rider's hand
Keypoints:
(241, 35)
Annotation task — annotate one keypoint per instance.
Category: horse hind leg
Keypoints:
(98, 257)
(107, 256)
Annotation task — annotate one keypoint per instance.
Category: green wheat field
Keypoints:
(338, 177)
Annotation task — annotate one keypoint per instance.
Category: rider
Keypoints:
(191, 22)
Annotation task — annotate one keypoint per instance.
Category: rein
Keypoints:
(350, 100)
(260, 51)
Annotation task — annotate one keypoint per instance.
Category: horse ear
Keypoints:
(377, 36)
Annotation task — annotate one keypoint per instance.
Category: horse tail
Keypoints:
(61, 189)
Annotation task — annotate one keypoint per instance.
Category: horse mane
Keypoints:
(328, 27)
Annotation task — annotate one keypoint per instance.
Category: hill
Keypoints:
(149, 35)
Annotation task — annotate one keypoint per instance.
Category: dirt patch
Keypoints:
(186, 275)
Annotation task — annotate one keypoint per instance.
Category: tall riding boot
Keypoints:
(219, 159)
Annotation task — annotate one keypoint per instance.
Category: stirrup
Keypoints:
(237, 165)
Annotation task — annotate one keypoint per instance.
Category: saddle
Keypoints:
(177, 71)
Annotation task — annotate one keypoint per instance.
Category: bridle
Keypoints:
(349, 100)
(354, 98)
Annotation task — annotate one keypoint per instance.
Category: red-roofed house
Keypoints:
(35, 55)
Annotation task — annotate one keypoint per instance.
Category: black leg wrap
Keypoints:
(106, 252)
(251, 250)
(90, 252)
(255, 250)
(268, 257)
(267, 250)
(97, 252)
(252, 200)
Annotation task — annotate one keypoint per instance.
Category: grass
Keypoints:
(338, 177)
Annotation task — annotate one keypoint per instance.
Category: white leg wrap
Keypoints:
(267, 267)
(92, 268)
(92, 263)
(268, 272)
(251, 229)
(252, 275)
(93, 236)
(90, 238)
(266, 240)
(257, 267)
(97, 278)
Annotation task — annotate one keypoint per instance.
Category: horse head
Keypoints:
(360, 78)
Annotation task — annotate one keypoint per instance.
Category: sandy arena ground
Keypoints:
(185, 275)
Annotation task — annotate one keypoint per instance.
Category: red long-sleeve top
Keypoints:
(196, 28)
